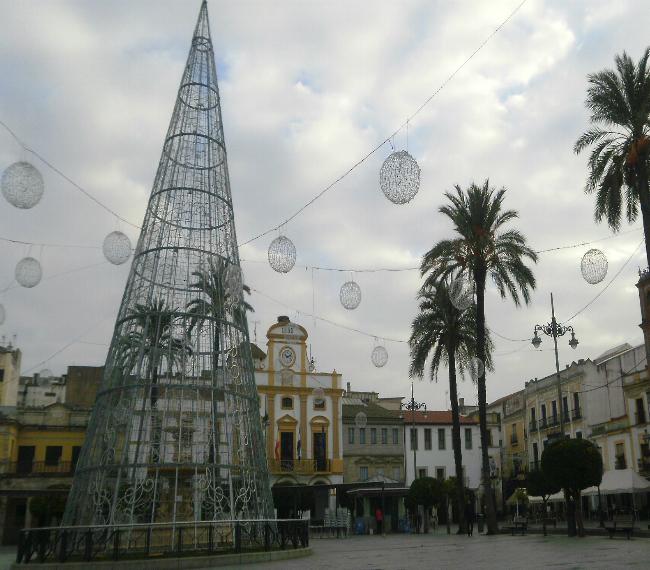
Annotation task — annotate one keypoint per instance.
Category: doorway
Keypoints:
(286, 450)
(320, 451)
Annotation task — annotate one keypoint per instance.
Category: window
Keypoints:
(76, 450)
(373, 436)
(397, 473)
(2, 374)
(414, 439)
(441, 438)
(440, 473)
(350, 435)
(384, 436)
(319, 403)
(543, 412)
(535, 456)
(422, 472)
(287, 403)
(489, 434)
(380, 471)
(363, 472)
(532, 415)
(554, 410)
(620, 456)
(468, 438)
(427, 438)
(576, 405)
(640, 411)
(565, 406)
(395, 436)
(513, 435)
(53, 454)
(362, 436)
(578, 435)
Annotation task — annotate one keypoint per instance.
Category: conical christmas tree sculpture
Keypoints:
(175, 434)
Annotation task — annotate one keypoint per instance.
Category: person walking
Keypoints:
(469, 517)
(379, 517)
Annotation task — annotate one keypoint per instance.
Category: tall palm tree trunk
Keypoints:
(491, 517)
(455, 439)
(644, 200)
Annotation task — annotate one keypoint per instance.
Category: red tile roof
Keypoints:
(436, 417)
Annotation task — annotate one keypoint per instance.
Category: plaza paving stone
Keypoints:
(439, 551)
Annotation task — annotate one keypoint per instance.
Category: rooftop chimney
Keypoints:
(348, 387)
(283, 319)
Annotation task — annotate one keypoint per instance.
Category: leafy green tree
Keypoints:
(484, 248)
(447, 337)
(538, 484)
(573, 465)
(426, 492)
(619, 102)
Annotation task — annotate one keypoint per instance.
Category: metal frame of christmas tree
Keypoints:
(175, 436)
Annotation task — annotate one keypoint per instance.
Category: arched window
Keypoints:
(287, 403)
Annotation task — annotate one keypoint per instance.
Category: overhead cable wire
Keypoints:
(389, 137)
(65, 176)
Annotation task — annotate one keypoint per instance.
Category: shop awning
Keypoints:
(620, 481)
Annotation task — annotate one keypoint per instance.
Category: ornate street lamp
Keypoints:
(413, 406)
(555, 330)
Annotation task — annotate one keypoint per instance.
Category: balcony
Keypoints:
(542, 423)
(36, 468)
(299, 466)
(514, 440)
(533, 426)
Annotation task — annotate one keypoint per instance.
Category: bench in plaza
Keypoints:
(622, 523)
(519, 524)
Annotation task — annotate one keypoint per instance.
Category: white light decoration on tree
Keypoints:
(22, 185)
(594, 266)
(3, 314)
(28, 272)
(476, 368)
(350, 295)
(117, 248)
(461, 294)
(361, 420)
(282, 254)
(399, 177)
(379, 356)
(319, 394)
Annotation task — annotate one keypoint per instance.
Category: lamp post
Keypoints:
(413, 406)
(555, 330)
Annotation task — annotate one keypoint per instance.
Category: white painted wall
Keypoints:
(434, 458)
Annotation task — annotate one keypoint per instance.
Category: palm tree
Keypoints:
(152, 338)
(619, 102)
(448, 337)
(214, 295)
(483, 248)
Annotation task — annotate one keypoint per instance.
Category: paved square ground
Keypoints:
(440, 551)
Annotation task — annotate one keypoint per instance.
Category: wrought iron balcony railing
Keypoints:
(23, 468)
(300, 466)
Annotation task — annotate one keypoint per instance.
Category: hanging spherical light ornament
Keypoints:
(117, 248)
(319, 394)
(379, 356)
(28, 272)
(22, 185)
(594, 266)
(476, 368)
(399, 177)
(361, 420)
(3, 314)
(234, 282)
(282, 254)
(461, 294)
(350, 295)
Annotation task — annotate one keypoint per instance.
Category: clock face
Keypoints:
(287, 356)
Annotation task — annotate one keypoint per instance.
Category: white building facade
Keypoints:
(431, 440)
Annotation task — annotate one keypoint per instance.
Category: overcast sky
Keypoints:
(307, 89)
